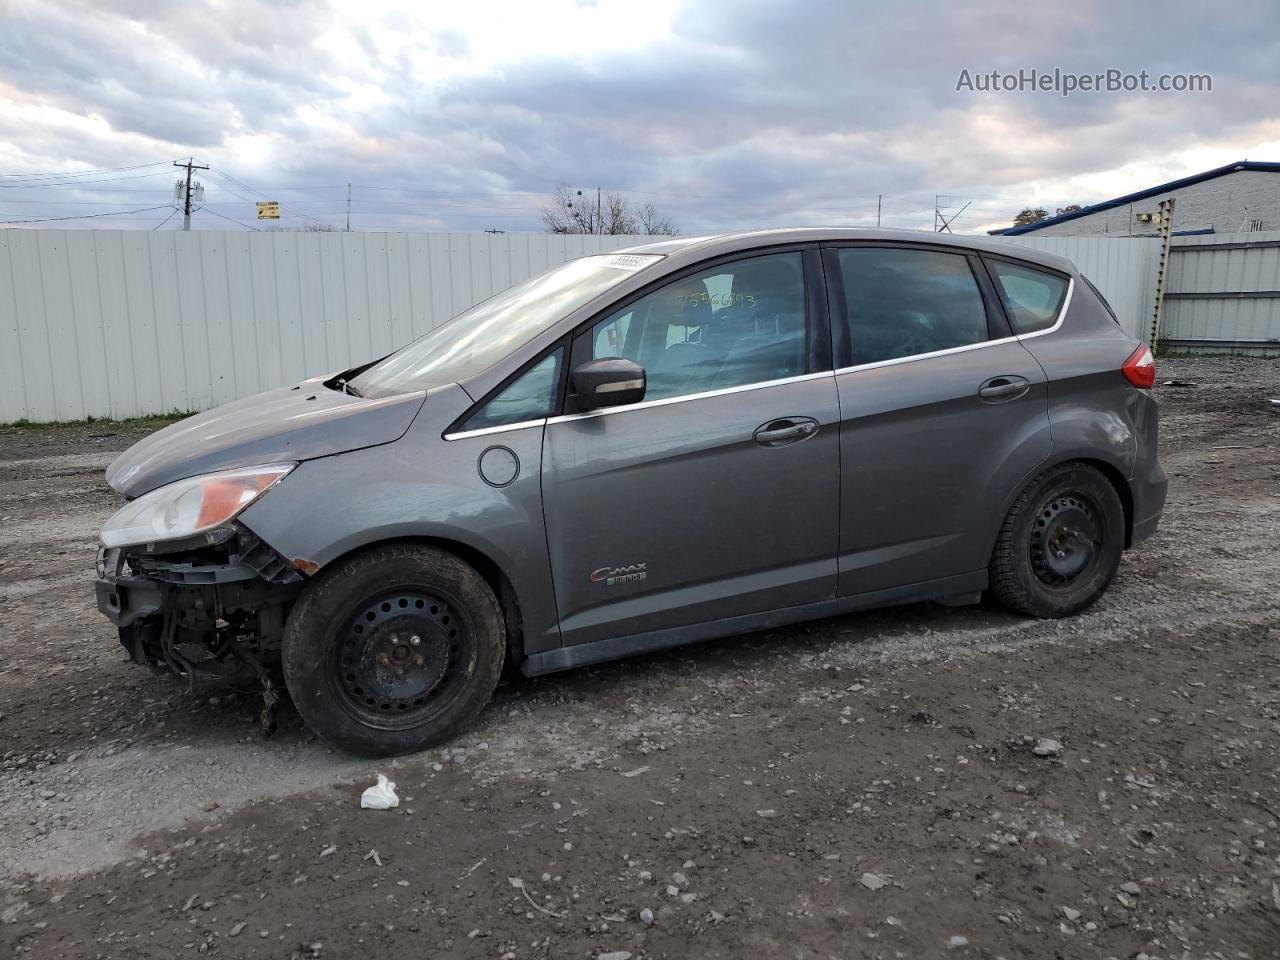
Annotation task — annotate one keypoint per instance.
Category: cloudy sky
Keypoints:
(466, 115)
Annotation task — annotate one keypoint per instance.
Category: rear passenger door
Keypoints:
(943, 414)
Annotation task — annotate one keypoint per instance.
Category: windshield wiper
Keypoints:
(347, 388)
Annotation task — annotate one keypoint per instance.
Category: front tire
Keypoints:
(393, 650)
(1060, 545)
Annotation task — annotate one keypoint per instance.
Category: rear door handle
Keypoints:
(1001, 389)
(777, 433)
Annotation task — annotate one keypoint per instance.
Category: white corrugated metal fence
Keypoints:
(109, 323)
(1224, 293)
(1123, 268)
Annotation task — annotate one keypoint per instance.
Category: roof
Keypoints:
(1141, 195)
(700, 248)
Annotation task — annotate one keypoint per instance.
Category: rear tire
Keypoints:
(1060, 545)
(393, 650)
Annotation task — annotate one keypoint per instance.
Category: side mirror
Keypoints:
(609, 382)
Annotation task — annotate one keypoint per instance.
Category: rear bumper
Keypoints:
(1143, 530)
(1149, 493)
(1149, 489)
(1149, 485)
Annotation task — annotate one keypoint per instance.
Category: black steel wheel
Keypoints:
(1065, 540)
(393, 650)
(400, 657)
(1060, 545)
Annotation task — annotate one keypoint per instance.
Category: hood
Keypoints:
(301, 422)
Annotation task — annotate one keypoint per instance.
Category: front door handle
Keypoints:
(1001, 389)
(777, 433)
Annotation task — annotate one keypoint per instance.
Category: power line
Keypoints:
(76, 183)
(229, 220)
(172, 214)
(226, 176)
(226, 181)
(82, 173)
(88, 216)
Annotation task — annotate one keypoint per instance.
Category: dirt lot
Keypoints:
(861, 787)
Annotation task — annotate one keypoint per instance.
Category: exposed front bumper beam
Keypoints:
(126, 599)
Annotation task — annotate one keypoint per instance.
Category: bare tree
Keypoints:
(653, 222)
(572, 212)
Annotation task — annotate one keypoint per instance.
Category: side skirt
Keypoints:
(615, 648)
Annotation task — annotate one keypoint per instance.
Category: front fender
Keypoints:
(421, 486)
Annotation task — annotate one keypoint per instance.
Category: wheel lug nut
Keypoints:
(420, 661)
(415, 640)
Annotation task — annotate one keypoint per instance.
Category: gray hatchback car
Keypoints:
(683, 440)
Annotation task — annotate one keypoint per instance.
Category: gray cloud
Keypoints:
(745, 114)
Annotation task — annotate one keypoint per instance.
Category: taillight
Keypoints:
(1140, 368)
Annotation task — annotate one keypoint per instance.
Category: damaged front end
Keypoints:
(203, 611)
(192, 590)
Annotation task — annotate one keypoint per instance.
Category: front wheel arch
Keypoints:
(369, 688)
(488, 568)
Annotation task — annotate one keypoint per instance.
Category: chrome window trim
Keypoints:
(1062, 314)
(725, 391)
(894, 361)
(500, 428)
(1017, 337)
(666, 401)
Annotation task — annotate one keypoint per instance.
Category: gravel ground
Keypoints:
(865, 786)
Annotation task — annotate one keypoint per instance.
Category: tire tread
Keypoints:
(302, 658)
(1009, 576)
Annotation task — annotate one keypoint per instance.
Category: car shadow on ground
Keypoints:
(212, 715)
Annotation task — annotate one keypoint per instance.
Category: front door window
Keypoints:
(732, 325)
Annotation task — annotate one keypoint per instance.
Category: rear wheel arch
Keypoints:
(1112, 471)
(1060, 543)
(1121, 485)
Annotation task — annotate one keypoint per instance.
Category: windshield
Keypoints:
(480, 337)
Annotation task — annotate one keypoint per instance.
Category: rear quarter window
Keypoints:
(1032, 298)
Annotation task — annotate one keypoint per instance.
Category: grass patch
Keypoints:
(154, 421)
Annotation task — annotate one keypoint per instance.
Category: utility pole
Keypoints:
(186, 195)
(599, 222)
(878, 198)
(348, 208)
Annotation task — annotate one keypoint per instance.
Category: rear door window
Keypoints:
(1031, 297)
(901, 302)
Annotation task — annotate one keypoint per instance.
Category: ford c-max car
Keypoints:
(683, 440)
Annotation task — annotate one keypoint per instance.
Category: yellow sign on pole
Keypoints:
(268, 210)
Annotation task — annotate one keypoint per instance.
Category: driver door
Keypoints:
(717, 496)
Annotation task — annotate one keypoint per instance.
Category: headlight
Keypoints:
(187, 508)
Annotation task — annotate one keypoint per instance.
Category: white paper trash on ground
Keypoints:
(381, 796)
